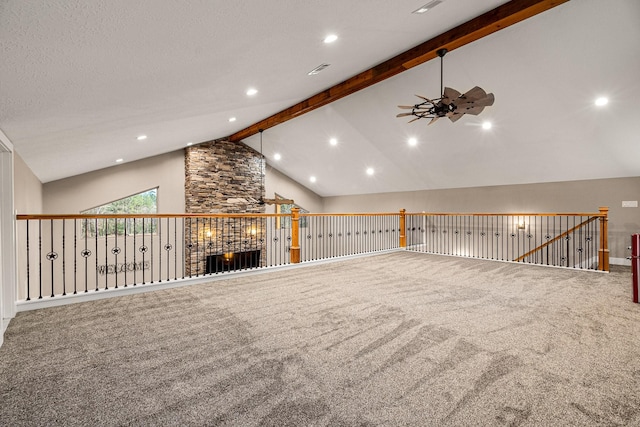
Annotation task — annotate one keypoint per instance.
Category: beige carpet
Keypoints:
(396, 339)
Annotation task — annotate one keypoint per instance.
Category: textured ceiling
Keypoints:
(80, 80)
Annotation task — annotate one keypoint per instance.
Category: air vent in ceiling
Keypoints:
(428, 6)
(317, 69)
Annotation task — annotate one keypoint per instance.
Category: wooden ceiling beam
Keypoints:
(488, 23)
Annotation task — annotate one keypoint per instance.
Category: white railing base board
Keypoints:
(60, 300)
(511, 262)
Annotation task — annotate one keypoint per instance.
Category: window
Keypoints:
(285, 222)
(141, 203)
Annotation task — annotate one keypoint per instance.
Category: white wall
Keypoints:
(277, 182)
(28, 189)
(75, 194)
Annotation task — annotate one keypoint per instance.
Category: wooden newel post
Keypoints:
(295, 236)
(603, 252)
(403, 228)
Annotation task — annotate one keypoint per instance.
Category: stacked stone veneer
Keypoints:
(222, 177)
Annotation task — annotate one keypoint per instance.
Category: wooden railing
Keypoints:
(574, 240)
(60, 255)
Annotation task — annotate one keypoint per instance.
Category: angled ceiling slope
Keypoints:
(488, 23)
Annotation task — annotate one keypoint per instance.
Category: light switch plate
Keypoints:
(629, 203)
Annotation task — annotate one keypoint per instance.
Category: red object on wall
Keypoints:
(635, 263)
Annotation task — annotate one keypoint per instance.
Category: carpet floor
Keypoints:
(397, 339)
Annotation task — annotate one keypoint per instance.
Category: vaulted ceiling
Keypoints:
(80, 81)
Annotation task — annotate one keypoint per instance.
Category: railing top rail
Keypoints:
(308, 214)
(108, 216)
(351, 214)
(592, 214)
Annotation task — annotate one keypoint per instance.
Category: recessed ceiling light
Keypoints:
(413, 142)
(427, 6)
(251, 91)
(119, 160)
(330, 38)
(277, 156)
(486, 125)
(141, 137)
(333, 141)
(189, 144)
(601, 101)
(370, 171)
(312, 178)
(232, 119)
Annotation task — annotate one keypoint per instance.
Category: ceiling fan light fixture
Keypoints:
(601, 101)
(427, 7)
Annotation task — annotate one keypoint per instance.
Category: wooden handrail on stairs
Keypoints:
(555, 239)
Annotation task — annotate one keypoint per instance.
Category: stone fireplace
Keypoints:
(222, 177)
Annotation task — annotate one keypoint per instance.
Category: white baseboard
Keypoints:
(620, 261)
(4, 324)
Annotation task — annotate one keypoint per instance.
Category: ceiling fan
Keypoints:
(451, 103)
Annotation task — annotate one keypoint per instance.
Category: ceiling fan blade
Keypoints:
(449, 95)
(487, 101)
(474, 94)
(406, 107)
(417, 118)
(404, 114)
(474, 111)
(484, 102)
(455, 117)
(433, 120)
(422, 97)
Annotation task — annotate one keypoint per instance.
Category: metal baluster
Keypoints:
(144, 252)
(175, 247)
(135, 253)
(159, 221)
(115, 251)
(28, 265)
(75, 249)
(40, 254)
(51, 260)
(96, 249)
(151, 224)
(64, 278)
(167, 248)
(126, 262)
(86, 254)
(106, 252)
